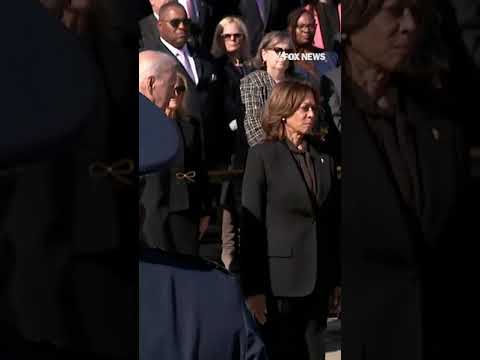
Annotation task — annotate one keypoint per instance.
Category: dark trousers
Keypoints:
(183, 231)
(294, 328)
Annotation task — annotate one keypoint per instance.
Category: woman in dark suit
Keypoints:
(288, 248)
(188, 210)
(403, 187)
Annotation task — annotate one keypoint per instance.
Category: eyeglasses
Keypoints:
(175, 23)
(306, 107)
(179, 90)
(233, 37)
(280, 50)
(317, 110)
(306, 26)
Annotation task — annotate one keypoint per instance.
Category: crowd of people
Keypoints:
(235, 91)
(272, 118)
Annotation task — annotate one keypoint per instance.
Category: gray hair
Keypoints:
(269, 40)
(154, 63)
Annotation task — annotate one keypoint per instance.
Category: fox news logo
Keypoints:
(304, 56)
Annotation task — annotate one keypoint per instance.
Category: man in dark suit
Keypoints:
(148, 25)
(263, 16)
(174, 29)
(157, 75)
(201, 13)
(172, 198)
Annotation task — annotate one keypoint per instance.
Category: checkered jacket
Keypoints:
(255, 89)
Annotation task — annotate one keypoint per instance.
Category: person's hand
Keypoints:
(335, 301)
(74, 14)
(257, 305)
(169, 112)
(203, 226)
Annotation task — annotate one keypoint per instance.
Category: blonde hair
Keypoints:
(179, 112)
(218, 45)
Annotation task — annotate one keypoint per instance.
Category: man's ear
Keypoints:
(150, 83)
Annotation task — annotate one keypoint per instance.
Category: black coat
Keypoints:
(164, 193)
(276, 18)
(399, 270)
(288, 237)
(148, 31)
(233, 142)
(199, 99)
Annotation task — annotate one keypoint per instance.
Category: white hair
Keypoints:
(154, 63)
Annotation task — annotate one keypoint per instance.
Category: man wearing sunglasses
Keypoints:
(148, 25)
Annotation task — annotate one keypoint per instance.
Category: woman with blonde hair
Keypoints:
(231, 51)
(187, 205)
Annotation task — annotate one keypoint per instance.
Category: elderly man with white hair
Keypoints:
(174, 199)
(156, 76)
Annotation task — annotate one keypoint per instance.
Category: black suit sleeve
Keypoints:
(253, 248)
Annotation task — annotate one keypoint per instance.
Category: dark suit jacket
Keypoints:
(399, 268)
(165, 194)
(288, 237)
(148, 31)
(190, 306)
(276, 18)
(203, 30)
(199, 99)
(232, 142)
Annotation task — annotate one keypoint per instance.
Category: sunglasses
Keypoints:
(179, 90)
(175, 23)
(234, 37)
(279, 51)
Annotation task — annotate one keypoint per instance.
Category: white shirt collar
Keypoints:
(156, 16)
(174, 50)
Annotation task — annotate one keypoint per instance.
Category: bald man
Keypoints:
(156, 77)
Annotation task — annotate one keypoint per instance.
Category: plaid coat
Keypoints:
(255, 89)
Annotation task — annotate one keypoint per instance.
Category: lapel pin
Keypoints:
(436, 134)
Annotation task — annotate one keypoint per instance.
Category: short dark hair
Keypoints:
(167, 6)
